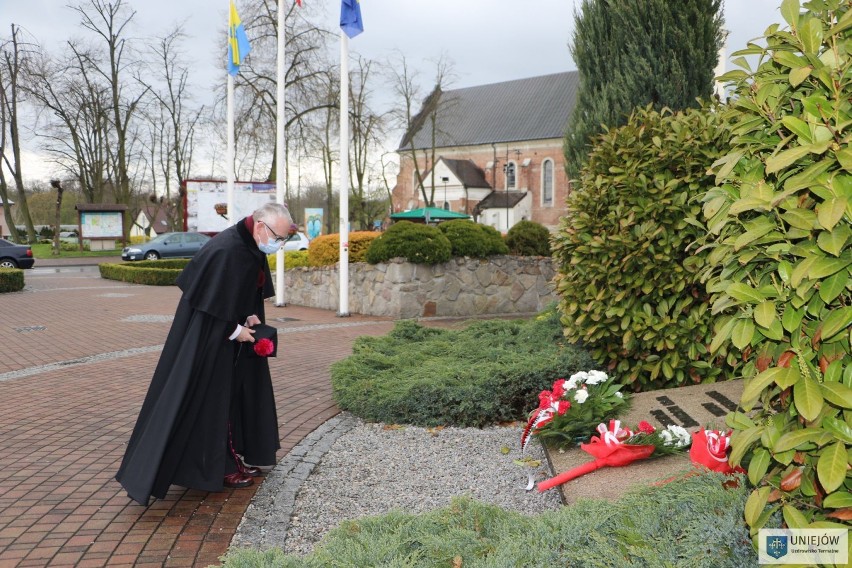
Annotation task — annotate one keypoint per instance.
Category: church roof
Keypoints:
(535, 108)
(501, 199)
(467, 172)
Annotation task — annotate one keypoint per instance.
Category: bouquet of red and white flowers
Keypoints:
(616, 446)
(573, 408)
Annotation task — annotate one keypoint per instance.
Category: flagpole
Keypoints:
(229, 155)
(343, 271)
(280, 158)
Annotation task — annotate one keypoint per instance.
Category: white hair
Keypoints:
(271, 211)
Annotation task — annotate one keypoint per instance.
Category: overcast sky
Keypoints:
(488, 41)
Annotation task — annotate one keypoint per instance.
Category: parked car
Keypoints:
(68, 236)
(167, 245)
(299, 241)
(15, 256)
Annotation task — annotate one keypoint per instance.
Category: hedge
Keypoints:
(11, 280)
(150, 272)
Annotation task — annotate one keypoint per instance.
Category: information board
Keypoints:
(203, 196)
(101, 224)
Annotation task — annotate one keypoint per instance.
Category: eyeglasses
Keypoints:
(278, 238)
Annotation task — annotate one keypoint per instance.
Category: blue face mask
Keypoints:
(270, 247)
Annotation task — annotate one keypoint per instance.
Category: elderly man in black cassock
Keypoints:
(201, 393)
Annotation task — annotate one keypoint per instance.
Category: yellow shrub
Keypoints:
(325, 249)
(292, 259)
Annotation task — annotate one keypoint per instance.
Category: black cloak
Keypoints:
(181, 435)
(254, 420)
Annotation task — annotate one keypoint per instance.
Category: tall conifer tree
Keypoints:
(634, 52)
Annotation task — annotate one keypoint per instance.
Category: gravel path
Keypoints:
(350, 469)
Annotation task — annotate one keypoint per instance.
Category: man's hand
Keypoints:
(252, 320)
(246, 334)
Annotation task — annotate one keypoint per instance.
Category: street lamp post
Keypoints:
(508, 167)
(515, 174)
(446, 203)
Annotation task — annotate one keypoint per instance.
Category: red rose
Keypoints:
(646, 428)
(264, 347)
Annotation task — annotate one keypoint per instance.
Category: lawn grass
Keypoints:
(44, 250)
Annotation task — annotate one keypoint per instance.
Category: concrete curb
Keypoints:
(267, 518)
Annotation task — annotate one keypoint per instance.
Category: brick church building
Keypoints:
(497, 151)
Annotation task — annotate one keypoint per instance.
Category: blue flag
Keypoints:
(238, 43)
(350, 17)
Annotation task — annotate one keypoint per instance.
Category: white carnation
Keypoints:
(596, 377)
(675, 436)
(576, 379)
(581, 396)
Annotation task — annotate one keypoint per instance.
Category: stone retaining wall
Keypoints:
(460, 287)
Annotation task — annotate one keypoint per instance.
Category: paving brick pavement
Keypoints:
(78, 354)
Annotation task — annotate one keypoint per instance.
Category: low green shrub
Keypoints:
(496, 243)
(69, 247)
(415, 242)
(528, 238)
(64, 246)
(160, 263)
(489, 372)
(695, 522)
(11, 280)
(471, 239)
(150, 272)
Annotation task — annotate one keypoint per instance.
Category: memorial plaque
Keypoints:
(691, 407)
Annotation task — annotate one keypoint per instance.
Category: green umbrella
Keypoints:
(428, 214)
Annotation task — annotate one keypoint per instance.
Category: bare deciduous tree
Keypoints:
(172, 124)
(366, 127)
(76, 129)
(306, 65)
(325, 141)
(57, 185)
(108, 21)
(10, 147)
(407, 116)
